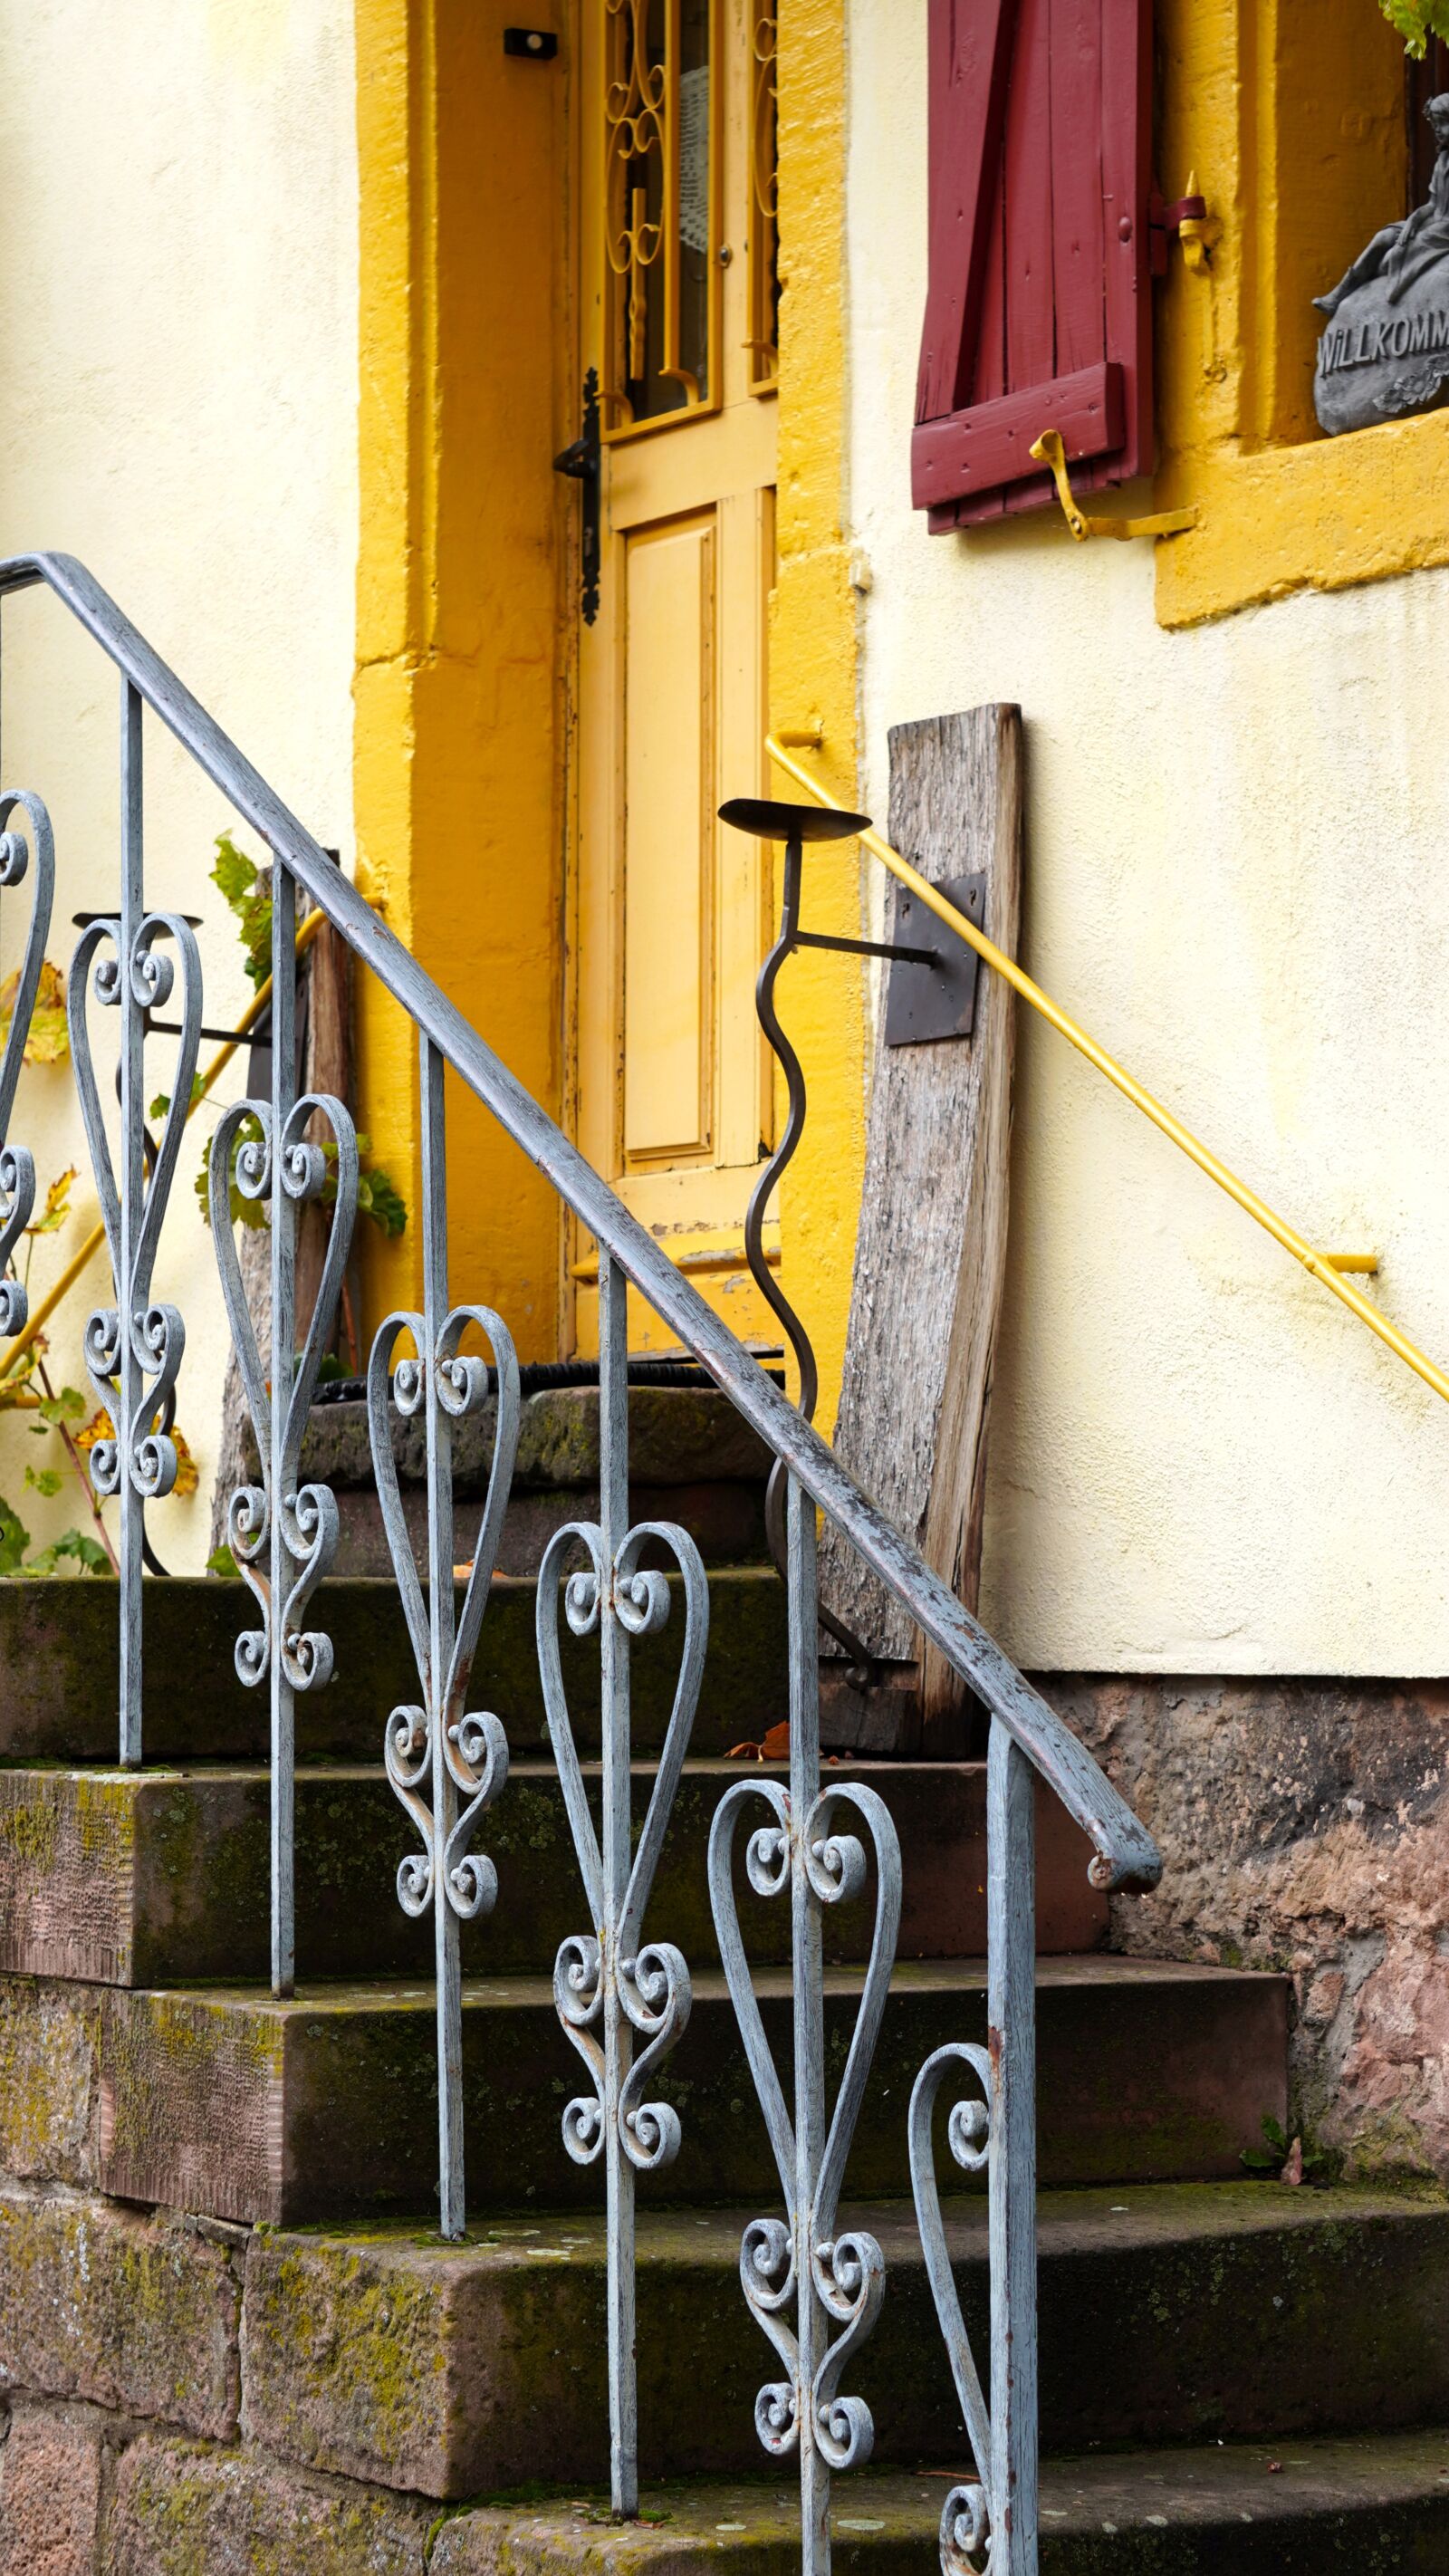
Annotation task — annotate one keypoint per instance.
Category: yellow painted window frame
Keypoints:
(1292, 117)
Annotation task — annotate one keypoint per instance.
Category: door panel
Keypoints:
(673, 1097)
(669, 777)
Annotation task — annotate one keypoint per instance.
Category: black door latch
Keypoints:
(583, 461)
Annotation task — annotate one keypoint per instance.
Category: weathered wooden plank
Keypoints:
(931, 1250)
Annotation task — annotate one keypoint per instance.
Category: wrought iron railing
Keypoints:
(623, 1999)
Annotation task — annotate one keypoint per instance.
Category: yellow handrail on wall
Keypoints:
(92, 1244)
(1327, 1268)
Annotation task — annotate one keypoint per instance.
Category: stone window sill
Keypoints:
(1314, 517)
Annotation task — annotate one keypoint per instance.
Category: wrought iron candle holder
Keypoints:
(795, 825)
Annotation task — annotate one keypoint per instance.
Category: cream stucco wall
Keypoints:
(178, 301)
(1236, 879)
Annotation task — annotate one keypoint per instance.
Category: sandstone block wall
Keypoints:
(1305, 1828)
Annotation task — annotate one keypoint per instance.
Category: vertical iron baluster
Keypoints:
(284, 1335)
(134, 1340)
(992, 2518)
(133, 1177)
(831, 2280)
(439, 1429)
(1011, 2038)
(808, 1952)
(436, 1752)
(283, 1533)
(618, 2037)
(612, 1981)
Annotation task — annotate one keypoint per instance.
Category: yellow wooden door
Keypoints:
(677, 305)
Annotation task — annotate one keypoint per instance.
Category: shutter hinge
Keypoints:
(1048, 450)
(1190, 221)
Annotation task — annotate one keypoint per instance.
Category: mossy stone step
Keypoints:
(1373, 2506)
(160, 1878)
(692, 1459)
(1173, 2313)
(59, 1671)
(230, 2103)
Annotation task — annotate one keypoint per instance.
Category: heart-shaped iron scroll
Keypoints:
(783, 2261)
(17, 1165)
(966, 2514)
(435, 1748)
(152, 1337)
(648, 1981)
(305, 1516)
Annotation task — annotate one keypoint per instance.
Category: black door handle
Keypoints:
(583, 463)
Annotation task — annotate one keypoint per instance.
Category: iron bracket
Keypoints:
(934, 999)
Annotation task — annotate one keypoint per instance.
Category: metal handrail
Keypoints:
(1125, 1853)
(1326, 1267)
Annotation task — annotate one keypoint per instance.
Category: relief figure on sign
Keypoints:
(1385, 353)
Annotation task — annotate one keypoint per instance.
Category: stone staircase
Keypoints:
(229, 2339)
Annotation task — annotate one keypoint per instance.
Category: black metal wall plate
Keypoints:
(538, 44)
(925, 1002)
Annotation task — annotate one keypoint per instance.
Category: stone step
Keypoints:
(230, 2103)
(1168, 2313)
(692, 1459)
(1373, 2506)
(160, 1878)
(59, 1671)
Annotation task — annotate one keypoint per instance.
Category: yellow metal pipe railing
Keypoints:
(1327, 1268)
(79, 1261)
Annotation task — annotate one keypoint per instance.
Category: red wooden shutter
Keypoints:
(1039, 302)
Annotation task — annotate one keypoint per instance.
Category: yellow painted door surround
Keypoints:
(672, 1094)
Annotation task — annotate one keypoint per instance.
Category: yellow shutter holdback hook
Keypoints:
(1048, 450)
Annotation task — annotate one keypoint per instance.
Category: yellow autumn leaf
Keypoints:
(187, 1478)
(99, 1427)
(57, 1205)
(49, 1038)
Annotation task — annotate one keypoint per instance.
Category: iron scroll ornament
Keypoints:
(17, 1163)
(799, 1853)
(612, 1978)
(966, 2513)
(303, 1517)
(135, 1340)
(437, 1753)
(611, 1986)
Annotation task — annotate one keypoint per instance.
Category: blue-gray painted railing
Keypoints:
(623, 2000)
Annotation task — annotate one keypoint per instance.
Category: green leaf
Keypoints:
(161, 1105)
(68, 1406)
(1416, 21)
(333, 1371)
(238, 879)
(88, 1552)
(379, 1198)
(221, 1561)
(234, 873)
(14, 1539)
(91, 1558)
(44, 1480)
